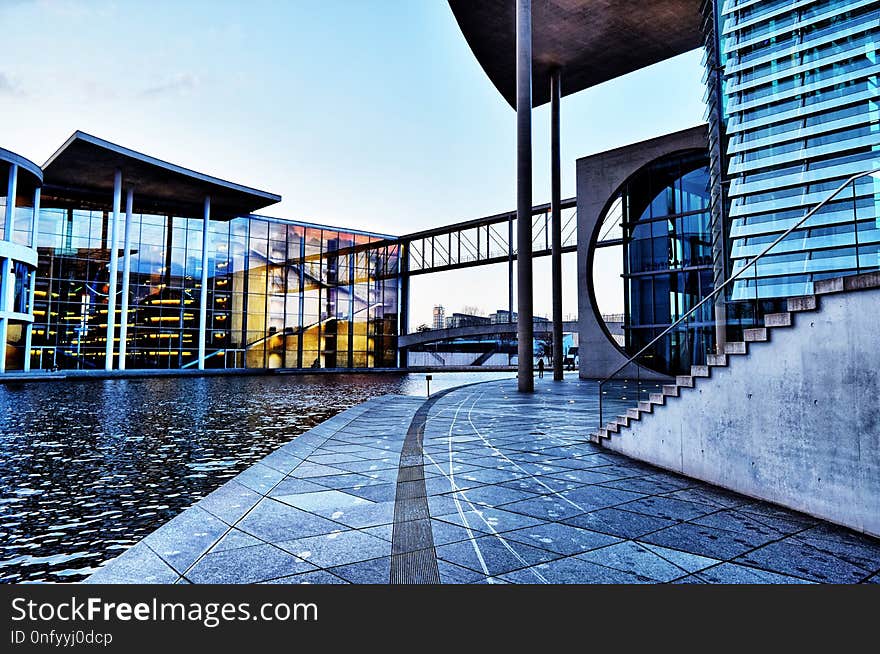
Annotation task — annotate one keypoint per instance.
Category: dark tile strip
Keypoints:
(413, 560)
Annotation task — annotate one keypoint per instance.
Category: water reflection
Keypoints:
(88, 468)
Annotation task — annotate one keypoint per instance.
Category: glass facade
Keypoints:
(667, 252)
(280, 294)
(800, 106)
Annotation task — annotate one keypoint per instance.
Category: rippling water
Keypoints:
(87, 468)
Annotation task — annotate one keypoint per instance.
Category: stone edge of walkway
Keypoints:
(140, 564)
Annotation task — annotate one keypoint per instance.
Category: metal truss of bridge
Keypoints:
(485, 240)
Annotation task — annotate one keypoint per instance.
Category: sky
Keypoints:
(367, 114)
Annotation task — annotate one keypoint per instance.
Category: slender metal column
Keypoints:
(203, 294)
(510, 270)
(114, 269)
(556, 222)
(525, 326)
(126, 274)
(403, 303)
(32, 293)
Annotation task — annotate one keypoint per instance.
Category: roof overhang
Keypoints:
(85, 167)
(29, 174)
(591, 41)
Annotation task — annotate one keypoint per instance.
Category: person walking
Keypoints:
(541, 368)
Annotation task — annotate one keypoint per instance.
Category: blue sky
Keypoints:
(370, 114)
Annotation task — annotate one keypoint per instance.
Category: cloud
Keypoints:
(9, 86)
(180, 84)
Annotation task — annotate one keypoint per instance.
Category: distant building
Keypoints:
(502, 316)
(457, 320)
(439, 317)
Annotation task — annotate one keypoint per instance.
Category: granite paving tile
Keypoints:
(732, 573)
(324, 503)
(245, 565)
(316, 577)
(797, 559)
(497, 554)
(561, 538)
(338, 548)
(624, 524)
(372, 571)
(574, 570)
(705, 541)
(273, 521)
(669, 508)
(632, 557)
(186, 537)
(230, 502)
(137, 565)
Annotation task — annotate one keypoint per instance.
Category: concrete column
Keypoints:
(126, 274)
(525, 326)
(32, 292)
(203, 294)
(556, 222)
(114, 269)
(6, 269)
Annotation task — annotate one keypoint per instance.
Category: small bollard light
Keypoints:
(428, 379)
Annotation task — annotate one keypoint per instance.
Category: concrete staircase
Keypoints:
(773, 322)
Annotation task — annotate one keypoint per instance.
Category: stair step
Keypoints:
(738, 347)
(670, 391)
(612, 427)
(594, 438)
(634, 414)
(657, 398)
(823, 286)
(803, 303)
(699, 371)
(646, 407)
(755, 335)
(684, 380)
(717, 359)
(603, 433)
(623, 421)
(778, 319)
(861, 282)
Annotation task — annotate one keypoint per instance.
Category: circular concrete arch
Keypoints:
(600, 178)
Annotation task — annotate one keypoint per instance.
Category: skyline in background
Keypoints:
(371, 115)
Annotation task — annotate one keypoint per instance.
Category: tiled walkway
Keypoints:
(513, 493)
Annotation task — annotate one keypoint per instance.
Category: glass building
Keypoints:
(794, 88)
(270, 293)
(280, 294)
(667, 260)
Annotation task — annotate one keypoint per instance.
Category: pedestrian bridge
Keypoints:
(498, 329)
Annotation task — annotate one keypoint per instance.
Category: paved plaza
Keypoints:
(482, 484)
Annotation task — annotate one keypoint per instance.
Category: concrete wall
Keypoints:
(599, 177)
(795, 422)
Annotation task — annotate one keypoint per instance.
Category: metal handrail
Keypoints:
(733, 278)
